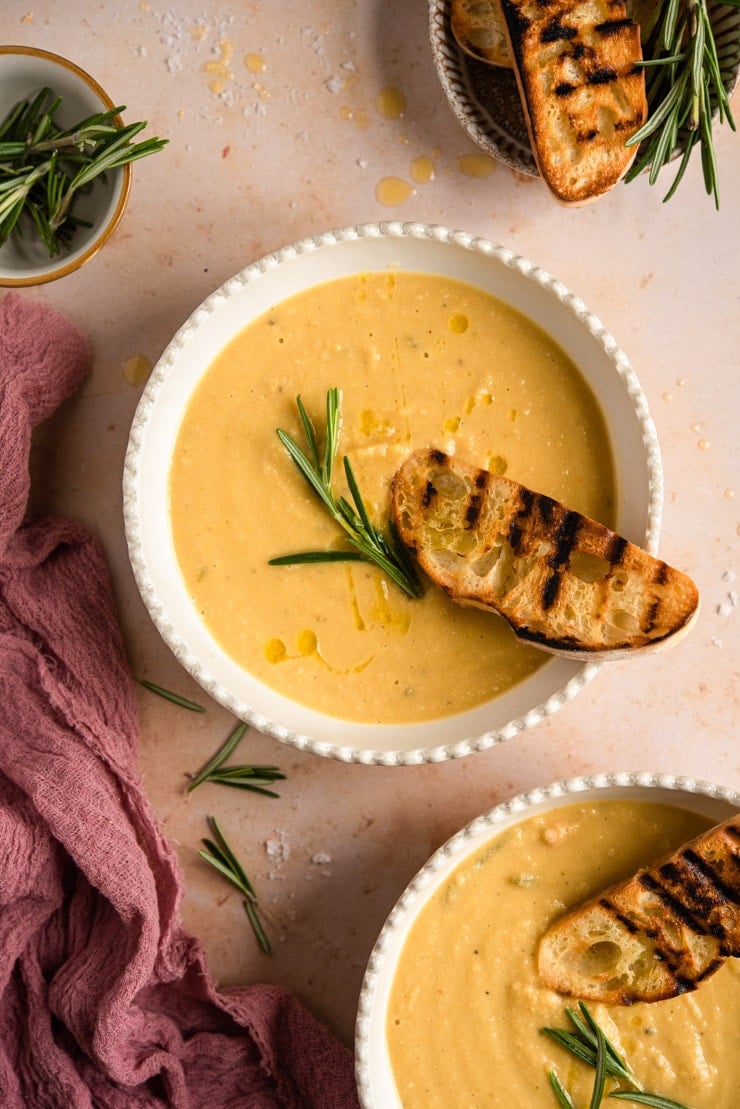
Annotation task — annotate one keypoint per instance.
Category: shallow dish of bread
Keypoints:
(558, 90)
(494, 960)
(333, 657)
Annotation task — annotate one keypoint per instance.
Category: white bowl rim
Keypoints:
(671, 787)
(70, 261)
(437, 233)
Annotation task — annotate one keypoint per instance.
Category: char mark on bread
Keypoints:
(555, 31)
(616, 550)
(602, 76)
(428, 494)
(613, 26)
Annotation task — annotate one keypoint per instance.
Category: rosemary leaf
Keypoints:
(268, 773)
(563, 1097)
(597, 1093)
(572, 1043)
(240, 783)
(370, 544)
(218, 864)
(640, 1098)
(230, 744)
(254, 920)
(169, 696)
(304, 557)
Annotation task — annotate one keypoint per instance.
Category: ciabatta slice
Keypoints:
(582, 91)
(658, 934)
(561, 580)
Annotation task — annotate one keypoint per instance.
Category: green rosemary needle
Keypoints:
(564, 1100)
(176, 699)
(684, 88)
(639, 1097)
(317, 467)
(220, 856)
(254, 778)
(43, 169)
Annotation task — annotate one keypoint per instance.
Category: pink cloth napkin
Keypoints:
(105, 1000)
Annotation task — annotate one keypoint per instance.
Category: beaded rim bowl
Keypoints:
(375, 1083)
(359, 249)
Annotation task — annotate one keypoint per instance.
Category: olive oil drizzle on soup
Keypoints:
(467, 1004)
(421, 360)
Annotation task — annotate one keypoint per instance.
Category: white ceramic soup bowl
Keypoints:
(373, 247)
(24, 72)
(375, 1081)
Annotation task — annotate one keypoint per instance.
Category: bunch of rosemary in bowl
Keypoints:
(65, 166)
(689, 80)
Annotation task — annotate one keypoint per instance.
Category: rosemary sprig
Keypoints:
(168, 695)
(583, 1043)
(220, 856)
(317, 467)
(684, 86)
(43, 169)
(253, 778)
(589, 1044)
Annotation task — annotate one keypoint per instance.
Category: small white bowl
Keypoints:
(24, 71)
(416, 247)
(375, 1083)
(485, 99)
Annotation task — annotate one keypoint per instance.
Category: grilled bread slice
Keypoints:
(658, 934)
(478, 27)
(561, 580)
(582, 92)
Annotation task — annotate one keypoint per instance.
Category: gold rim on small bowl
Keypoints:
(375, 1082)
(25, 70)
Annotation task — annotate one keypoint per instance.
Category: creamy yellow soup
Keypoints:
(467, 1005)
(421, 360)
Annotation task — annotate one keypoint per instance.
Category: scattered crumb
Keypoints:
(278, 849)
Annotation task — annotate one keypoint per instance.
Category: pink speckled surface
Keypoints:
(276, 133)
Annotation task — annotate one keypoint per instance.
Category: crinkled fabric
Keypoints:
(105, 1000)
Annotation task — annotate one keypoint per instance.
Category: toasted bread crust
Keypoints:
(561, 580)
(582, 92)
(656, 935)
